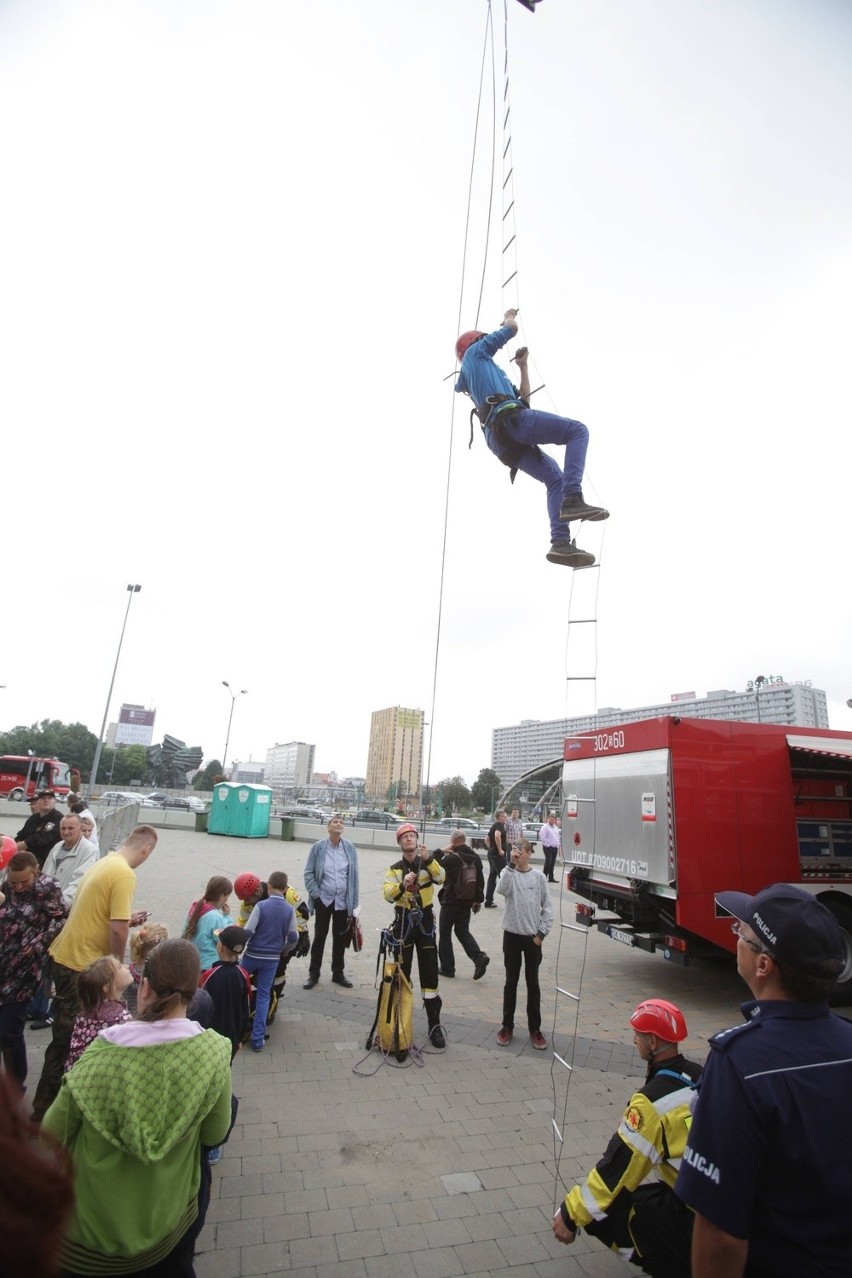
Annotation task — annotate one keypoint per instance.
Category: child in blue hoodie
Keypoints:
(272, 932)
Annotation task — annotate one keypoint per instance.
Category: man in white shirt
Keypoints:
(68, 860)
(549, 836)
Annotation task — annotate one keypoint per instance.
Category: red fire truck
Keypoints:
(661, 814)
(22, 774)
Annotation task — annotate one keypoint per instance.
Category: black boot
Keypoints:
(433, 1015)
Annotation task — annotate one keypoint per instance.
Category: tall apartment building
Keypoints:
(532, 742)
(395, 755)
(289, 767)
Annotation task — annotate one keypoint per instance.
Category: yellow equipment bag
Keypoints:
(395, 1016)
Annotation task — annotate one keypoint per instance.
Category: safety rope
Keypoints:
(488, 43)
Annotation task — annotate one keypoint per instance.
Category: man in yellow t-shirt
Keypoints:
(100, 919)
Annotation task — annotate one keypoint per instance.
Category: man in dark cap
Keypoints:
(40, 831)
(768, 1166)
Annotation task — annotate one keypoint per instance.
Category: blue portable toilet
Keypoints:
(240, 810)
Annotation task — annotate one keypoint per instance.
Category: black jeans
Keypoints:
(517, 950)
(455, 917)
(323, 916)
(495, 865)
(13, 1047)
(549, 861)
(66, 1005)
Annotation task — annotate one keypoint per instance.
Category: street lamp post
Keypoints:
(93, 779)
(233, 695)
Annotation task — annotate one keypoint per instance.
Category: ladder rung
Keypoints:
(508, 175)
(557, 1057)
(558, 1132)
(506, 247)
(583, 621)
(508, 210)
(577, 927)
(506, 148)
(509, 280)
(582, 678)
(506, 116)
(567, 993)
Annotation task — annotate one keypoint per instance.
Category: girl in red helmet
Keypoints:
(514, 431)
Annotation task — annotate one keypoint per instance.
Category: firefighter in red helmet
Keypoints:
(646, 1224)
(513, 432)
(410, 888)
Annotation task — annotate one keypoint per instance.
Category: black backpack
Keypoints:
(465, 885)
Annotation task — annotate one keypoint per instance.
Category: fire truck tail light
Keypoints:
(586, 910)
(675, 943)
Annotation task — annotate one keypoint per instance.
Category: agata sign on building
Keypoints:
(135, 726)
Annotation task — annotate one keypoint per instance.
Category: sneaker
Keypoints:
(574, 507)
(566, 552)
(257, 1047)
(213, 1155)
(538, 1041)
(504, 1036)
(489, 905)
(44, 1023)
(480, 966)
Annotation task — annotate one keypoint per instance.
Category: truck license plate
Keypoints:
(616, 933)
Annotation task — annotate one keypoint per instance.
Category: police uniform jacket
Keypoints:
(651, 1138)
(41, 833)
(769, 1157)
(429, 872)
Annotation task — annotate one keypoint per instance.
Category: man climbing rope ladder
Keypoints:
(513, 432)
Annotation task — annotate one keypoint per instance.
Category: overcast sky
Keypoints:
(233, 237)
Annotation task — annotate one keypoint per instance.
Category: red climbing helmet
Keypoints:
(405, 828)
(245, 885)
(467, 339)
(659, 1016)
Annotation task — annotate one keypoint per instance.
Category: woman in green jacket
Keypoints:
(134, 1112)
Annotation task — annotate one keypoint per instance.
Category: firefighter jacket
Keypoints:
(429, 872)
(651, 1138)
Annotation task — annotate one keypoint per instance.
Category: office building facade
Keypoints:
(395, 755)
(289, 767)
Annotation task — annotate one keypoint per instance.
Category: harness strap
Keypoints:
(673, 1073)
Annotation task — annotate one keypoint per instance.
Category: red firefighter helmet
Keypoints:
(405, 828)
(245, 885)
(659, 1016)
(465, 340)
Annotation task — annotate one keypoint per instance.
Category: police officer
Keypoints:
(40, 831)
(410, 888)
(646, 1224)
(768, 1166)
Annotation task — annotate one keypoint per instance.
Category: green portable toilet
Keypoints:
(240, 810)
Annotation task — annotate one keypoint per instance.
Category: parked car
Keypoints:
(117, 798)
(182, 803)
(304, 813)
(458, 823)
(531, 829)
(370, 816)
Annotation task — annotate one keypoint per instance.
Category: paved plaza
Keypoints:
(341, 1164)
